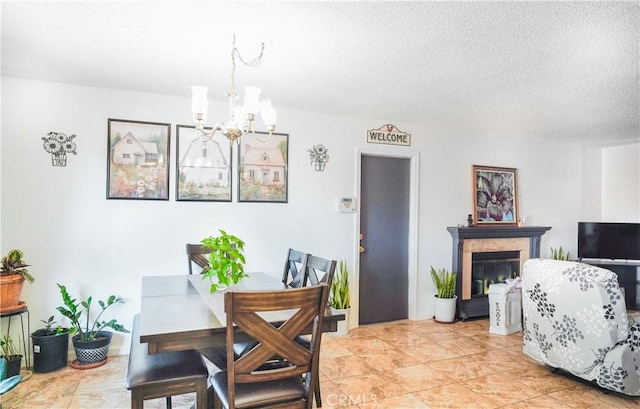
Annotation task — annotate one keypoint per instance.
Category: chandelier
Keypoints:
(240, 117)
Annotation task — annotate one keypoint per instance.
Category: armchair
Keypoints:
(575, 319)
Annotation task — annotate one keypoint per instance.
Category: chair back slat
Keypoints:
(198, 254)
(295, 269)
(319, 270)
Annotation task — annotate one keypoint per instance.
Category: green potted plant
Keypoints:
(50, 347)
(445, 298)
(90, 341)
(559, 254)
(339, 299)
(226, 260)
(10, 353)
(13, 274)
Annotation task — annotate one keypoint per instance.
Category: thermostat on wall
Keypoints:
(347, 205)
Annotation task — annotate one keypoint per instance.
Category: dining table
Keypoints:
(178, 312)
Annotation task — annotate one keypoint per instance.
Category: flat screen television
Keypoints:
(617, 241)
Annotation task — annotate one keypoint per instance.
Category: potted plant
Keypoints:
(339, 300)
(226, 261)
(50, 347)
(90, 342)
(559, 254)
(10, 353)
(445, 298)
(13, 274)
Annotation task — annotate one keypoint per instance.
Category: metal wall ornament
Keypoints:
(58, 145)
(319, 156)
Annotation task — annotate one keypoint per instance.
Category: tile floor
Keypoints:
(406, 364)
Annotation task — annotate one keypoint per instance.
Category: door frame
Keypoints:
(412, 265)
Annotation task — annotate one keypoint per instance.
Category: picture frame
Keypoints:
(203, 167)
(495, 196)
(137, 160)
(263, 168)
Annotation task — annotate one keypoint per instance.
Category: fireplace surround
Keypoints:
(487, 255)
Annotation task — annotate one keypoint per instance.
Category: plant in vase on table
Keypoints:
(445, 298)
(90, 341)
(226, 261)
(340, 300)
(13, 274)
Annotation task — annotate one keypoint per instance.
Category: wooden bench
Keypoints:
(164, 374)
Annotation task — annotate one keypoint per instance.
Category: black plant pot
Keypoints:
(50, 350)
(13, 365)
(92, 352)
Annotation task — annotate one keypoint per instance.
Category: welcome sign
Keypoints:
(389, 135)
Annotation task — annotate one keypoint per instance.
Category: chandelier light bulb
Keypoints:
(251, 100)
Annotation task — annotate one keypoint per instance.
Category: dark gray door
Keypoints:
(384, 226)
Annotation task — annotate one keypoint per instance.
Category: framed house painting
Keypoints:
(495, 196)
(137, 160)
(203, 166)
(262, 168)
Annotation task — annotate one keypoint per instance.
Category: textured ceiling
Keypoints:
(551, 70)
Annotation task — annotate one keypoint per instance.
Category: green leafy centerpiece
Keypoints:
(226, 260)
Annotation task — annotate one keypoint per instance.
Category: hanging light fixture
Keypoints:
(240, 117)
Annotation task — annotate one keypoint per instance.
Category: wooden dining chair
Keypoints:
(319, 270)
(250, 380)
(295, 269)
(198, 255)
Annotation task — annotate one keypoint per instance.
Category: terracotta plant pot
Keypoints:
(10, 290)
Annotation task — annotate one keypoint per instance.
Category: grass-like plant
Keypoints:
(340, 298)
(445, 282)
(558, 254)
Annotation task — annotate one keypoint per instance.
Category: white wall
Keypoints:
(621, 183)
(71, 234)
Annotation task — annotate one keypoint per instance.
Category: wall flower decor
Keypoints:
(319, 156)
(58, 145)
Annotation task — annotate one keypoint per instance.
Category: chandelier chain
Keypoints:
(255, 62)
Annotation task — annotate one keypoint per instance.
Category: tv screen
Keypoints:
(618, 241)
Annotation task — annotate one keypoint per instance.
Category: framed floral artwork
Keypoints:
(137, 160)
(262, 168)
(203, 166)
(495, 196)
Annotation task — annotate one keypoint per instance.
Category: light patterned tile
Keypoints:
(432, 352)
(345, 366)
(461, 368)
(419, 377)
(368, 387)
(500, 389)
(407, 401)
(361, 345)
(465, 346)
(454, 396)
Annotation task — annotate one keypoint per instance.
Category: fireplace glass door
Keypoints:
(491, 268)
